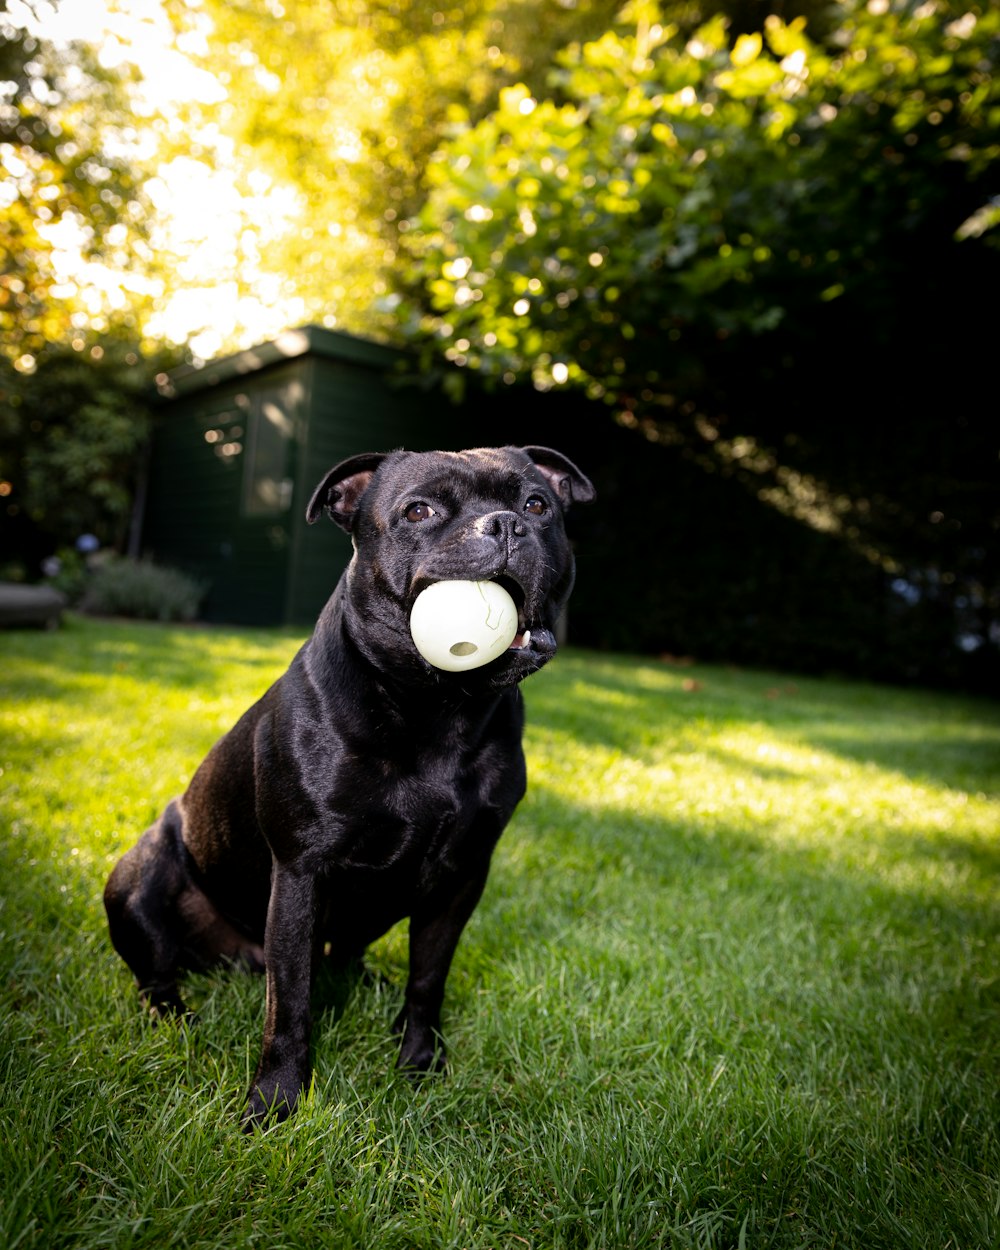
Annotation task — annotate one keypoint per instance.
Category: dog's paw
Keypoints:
(423, 1065)
(165, 1003)
(250, 958)
(265, 1109)
(422, 1051)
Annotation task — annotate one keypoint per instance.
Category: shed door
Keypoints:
(249, 577)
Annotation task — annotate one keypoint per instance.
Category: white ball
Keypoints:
(462, 625)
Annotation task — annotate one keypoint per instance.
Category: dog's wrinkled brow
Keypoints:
(499, 481)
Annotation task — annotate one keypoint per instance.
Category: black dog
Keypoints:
(365, 786)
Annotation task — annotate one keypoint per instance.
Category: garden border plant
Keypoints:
(120, 586)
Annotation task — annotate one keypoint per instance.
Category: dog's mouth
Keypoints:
(522, 639)
(533, 643)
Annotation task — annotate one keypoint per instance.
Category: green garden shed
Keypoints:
(241, 443)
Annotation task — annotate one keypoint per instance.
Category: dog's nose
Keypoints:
(505, 525)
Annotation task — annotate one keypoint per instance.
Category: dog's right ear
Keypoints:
(340, 491)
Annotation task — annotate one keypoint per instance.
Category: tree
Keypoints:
(72, 418)
(341, 107)
(68, 186)
(72, 434)
(675, 193)
(764, 253)
(307, 132)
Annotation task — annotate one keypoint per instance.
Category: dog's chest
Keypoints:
(420, 823)
(392, 806)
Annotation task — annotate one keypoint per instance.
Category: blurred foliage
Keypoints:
(72, 432)
(307, 133)
(67, 181)
(345, 103)
(675, 191)
(73, 377)
(67, 571)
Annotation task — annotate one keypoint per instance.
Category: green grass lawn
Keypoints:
(734, 981)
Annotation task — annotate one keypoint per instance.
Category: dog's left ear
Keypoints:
(340, 491)
(569, 484)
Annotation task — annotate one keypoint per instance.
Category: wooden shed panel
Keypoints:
(193, 495)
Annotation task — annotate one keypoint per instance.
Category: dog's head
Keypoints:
(493, 514)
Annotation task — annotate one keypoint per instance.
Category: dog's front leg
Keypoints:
(290, 958)
(435, 928)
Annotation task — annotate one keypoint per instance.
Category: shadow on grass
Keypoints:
(667, 701)
(560, 866)
(980, 857)
(624, 865)
(593, 701)
(952, 756)
(563, 850)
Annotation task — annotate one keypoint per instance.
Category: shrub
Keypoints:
(142, 589)
(67, 573)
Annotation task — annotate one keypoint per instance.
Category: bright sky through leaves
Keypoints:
(212, 218)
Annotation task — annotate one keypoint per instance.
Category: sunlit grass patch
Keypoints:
(902, 790)
(733, 977)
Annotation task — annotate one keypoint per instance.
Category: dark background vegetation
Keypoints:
(682, 558)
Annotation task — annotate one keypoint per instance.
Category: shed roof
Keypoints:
(331, 344)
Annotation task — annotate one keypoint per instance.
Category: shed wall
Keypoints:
(236, 459)
(209, 512)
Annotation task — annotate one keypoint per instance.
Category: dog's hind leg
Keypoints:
(141, 899)
(162, 923)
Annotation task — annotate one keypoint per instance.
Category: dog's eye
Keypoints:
(419, 512)
(536, 505)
